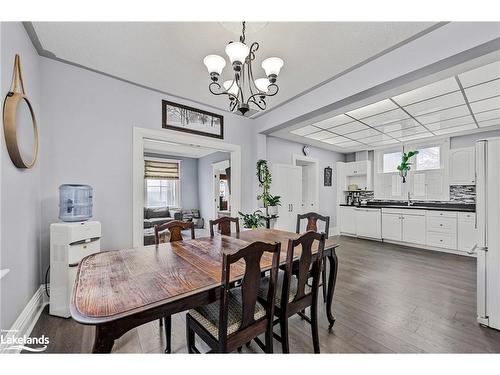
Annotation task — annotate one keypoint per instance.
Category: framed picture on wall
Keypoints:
(191, 120)
(328, 176)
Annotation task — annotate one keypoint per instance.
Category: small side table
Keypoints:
(268, 220)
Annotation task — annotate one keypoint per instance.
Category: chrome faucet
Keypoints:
(409, 199)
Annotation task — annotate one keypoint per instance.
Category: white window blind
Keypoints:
(159, 170)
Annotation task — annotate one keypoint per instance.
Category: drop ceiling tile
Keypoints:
(305, 130)
(335, 140)
(348, 144)
(386, 117)
(384, 143)
(436, 104)
(363, 134)
(426, 92)
(404, 124)
(455, 129)
(407, 132)
(445, 114)
(483, 91)
(485, 104)
(465, 120)
(488, 115)
(372, 109)
(323, 134)
(378, 138)
(349, 128)
(333, 121)
(492, 122)
(425, 134)
(479, 75)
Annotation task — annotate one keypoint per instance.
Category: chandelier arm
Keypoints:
(262, 95)
(261, 107)
(226, 92)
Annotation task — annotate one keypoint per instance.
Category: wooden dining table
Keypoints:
(118, 290)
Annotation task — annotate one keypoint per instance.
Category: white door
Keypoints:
(287, 184)
(414, 229)
(391, 227)
(309, 189)
(347, 220)
(462, 166)
(467, 232)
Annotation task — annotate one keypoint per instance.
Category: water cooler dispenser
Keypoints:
(70, 241)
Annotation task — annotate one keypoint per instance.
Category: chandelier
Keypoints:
(243, 90)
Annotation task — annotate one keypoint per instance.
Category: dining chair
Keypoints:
(237, 317)
(293, 293)
(224, 225)
(174, 227)
(312, 224)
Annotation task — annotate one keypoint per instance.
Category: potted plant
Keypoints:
(273, 201)
(265, 180)
(253, 220)
(405, 165)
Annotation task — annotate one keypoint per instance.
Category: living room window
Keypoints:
(162, 183)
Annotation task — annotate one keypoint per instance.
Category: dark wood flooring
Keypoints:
(388, 299)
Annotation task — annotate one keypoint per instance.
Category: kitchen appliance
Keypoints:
(69, 244)
(488, 224)
(352, 187)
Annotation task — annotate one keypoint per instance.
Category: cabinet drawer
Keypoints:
(403, 211)
(444, 240)
(467, 216)
(442, 213)
(442, 224)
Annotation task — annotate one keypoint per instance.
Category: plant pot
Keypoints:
(403, 175)
(272, 210)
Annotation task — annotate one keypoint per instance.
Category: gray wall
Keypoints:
(20, 189)
(281, 151)
(189, 179)
(205, 184)
(89, 120)
(470, 139)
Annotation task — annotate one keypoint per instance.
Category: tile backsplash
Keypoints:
(463, 193)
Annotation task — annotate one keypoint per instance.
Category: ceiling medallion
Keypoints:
(243, 90)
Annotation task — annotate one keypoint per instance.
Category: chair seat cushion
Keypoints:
(208, 315)
(264, 286)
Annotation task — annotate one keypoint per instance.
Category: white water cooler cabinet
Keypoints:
(69, 244)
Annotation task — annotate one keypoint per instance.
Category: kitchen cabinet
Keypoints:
(348, 220)
(467, 231)
(368, 222)
(413, 229)
(442, 229)
(462, 166)
(391, 226)
(356, 168)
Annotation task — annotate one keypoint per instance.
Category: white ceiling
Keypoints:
(168, 56)
(469, 101)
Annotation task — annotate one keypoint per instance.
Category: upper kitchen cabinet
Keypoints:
(462, 166)
(356, 173)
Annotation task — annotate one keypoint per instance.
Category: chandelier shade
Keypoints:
(214, 64)
(243, 90)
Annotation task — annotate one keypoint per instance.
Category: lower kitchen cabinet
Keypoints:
(467, 232)
(391, 226)
(414, 229)
(347, 220)
(368, 223)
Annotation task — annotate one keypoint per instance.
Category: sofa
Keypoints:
(160, 215)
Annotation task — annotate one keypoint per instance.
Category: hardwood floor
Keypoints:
(388, 299)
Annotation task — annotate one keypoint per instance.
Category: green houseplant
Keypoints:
(405, 165)
(273, 201)
(253, 220)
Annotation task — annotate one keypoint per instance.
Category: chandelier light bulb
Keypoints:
(215, 64)
(233, 88)
(262, 84)
(272, 67)
(237, 53)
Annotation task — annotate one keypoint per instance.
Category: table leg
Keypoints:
(102, 342)
(332, 278)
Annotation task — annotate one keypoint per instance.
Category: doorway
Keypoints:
(222, 188)
(309, 182)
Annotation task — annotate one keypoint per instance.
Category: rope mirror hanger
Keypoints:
(12, 100)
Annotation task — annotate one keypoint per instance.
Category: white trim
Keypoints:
(140, 134)
(308, 159)
(27, 319)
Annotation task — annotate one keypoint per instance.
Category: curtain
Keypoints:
(160, 170)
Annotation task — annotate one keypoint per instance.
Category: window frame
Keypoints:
(178, 185)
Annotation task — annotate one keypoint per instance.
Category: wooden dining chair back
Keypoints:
(239, 316)
(224, 225)
(175, 228)
(312, 222)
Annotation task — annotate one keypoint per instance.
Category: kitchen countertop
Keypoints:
(459, 207)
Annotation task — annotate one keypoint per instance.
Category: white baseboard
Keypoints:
(27, 319)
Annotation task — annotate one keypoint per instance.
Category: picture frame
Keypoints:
(191, 120)
(327, 176)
